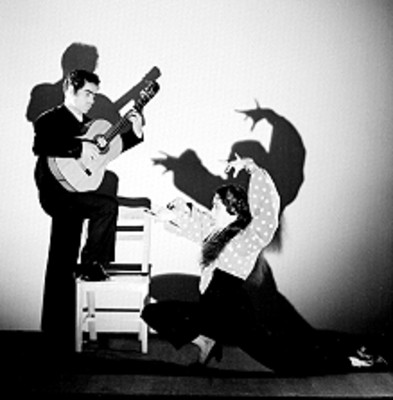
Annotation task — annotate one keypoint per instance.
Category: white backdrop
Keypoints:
(324, 65)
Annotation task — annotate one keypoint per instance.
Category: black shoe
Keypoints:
(93, 272)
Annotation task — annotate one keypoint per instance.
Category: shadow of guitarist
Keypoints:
(284, 161)
(45, 96)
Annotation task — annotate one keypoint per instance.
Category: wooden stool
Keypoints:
(115, 305)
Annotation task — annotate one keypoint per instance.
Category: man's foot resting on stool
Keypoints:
(93, 271)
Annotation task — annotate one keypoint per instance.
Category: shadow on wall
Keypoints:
(284, 161)
(175, 287)
(45, 96)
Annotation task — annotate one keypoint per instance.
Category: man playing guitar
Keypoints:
(59, 133)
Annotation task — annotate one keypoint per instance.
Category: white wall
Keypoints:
(324, 65)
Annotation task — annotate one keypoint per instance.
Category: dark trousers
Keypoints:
(68, 212)
(58, 307)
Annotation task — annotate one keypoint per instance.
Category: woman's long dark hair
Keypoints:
(235, 200)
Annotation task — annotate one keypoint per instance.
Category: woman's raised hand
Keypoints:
(238, 164)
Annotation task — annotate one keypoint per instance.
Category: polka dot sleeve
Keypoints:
(264, 203)
(239, 256)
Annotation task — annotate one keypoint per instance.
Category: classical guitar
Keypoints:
(82, 175)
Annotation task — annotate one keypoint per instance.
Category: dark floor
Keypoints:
(114, 368)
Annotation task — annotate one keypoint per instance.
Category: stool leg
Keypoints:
(143, 332)
(91, 319)
(143, 328)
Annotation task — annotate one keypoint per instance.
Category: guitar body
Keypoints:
(82, 175)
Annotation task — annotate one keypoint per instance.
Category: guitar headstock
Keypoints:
(146, 94)
(152, 75)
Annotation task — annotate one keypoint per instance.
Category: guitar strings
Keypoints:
(149, 93)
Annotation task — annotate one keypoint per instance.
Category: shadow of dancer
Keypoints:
(284, 161)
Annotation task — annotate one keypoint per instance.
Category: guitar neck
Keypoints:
(152, 75)
(145, 95)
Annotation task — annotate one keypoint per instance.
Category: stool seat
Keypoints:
(114, 269)
(134, 202)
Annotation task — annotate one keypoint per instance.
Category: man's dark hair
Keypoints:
(78, 78)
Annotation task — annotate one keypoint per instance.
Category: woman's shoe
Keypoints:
(208, 349)
(215, 352)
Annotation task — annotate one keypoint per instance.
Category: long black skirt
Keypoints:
(254, 316)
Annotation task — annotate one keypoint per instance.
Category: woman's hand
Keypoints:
(178, 206)
(238, 164)
(169, 212)
(161, 214)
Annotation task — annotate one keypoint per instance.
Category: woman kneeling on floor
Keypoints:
(239, 303)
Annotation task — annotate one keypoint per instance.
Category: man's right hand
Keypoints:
(90, 151)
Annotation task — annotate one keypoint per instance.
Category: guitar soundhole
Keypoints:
(102, 144)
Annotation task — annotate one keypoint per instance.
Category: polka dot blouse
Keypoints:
(240, 254)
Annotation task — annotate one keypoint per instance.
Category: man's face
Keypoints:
(84, 98)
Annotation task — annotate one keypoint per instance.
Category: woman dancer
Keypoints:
(236, 307)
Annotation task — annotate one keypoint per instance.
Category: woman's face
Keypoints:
(221, 216)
